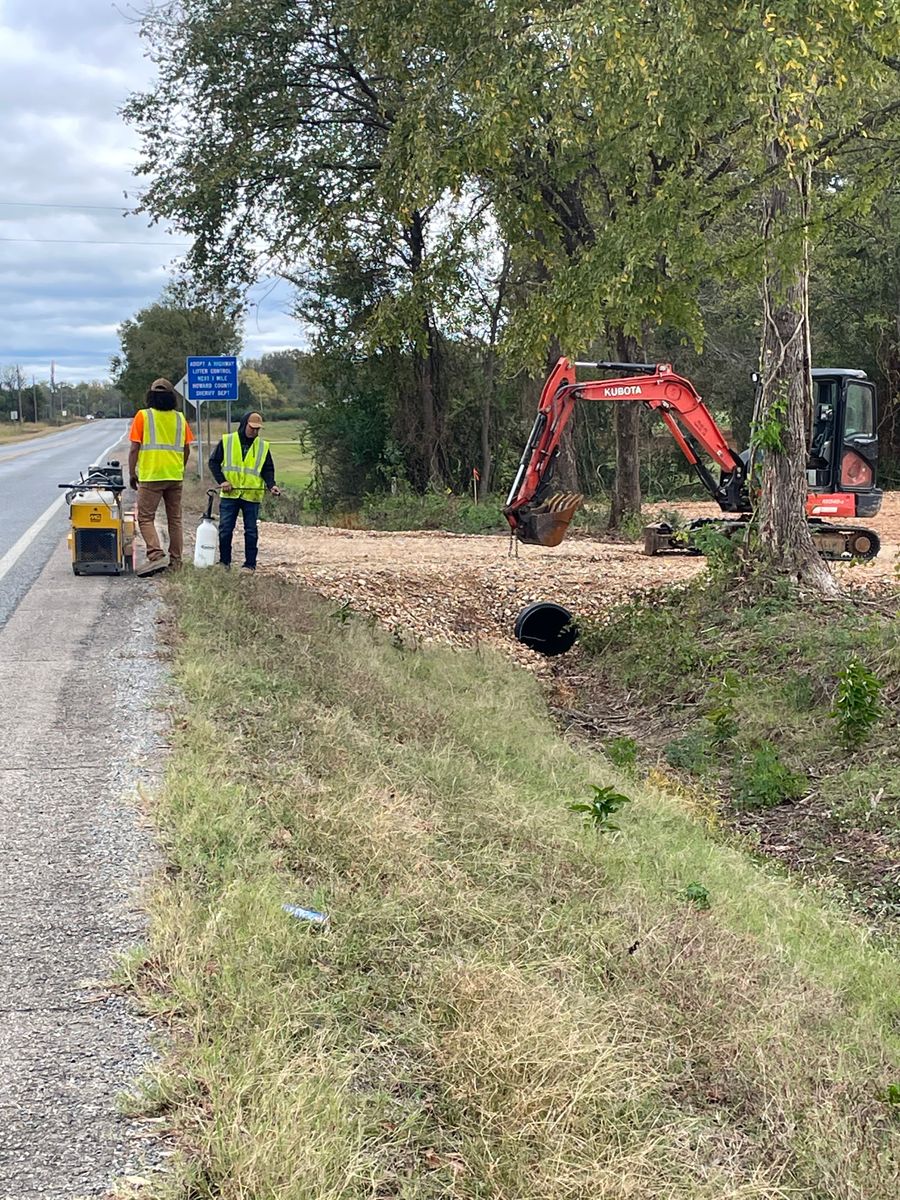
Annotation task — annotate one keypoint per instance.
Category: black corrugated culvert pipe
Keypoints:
(546, 627)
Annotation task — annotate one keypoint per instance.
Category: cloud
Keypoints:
(70, 273)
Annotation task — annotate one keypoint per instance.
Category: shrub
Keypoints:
(763, 780)
(696, 894)
(690, 752)
(622, 752)
(857, 704)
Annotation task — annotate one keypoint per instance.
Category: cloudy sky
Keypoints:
(72, 267)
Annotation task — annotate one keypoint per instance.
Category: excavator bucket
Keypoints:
(545, 524)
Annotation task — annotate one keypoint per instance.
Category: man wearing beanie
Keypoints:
(160, 447)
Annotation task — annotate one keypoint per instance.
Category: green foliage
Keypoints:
(622, 752)
(762, 780)
(691, 752)
(698, 895)
(342, 614)
(157, 340)
(720, 550)
(721, 715)
(768, 432)
(258, 390)
(857, 703)
(434, 510)
(604, 802)
(648, 638)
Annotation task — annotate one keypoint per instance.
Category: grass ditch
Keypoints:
(785, 709)
(505, 1002)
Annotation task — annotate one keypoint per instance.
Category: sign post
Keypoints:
(209, 378)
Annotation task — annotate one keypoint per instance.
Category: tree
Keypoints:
(157, 340)
(821, 84)
(266, 140)
(258, 389)
(530, 106)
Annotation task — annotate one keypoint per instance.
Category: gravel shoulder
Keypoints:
(81, 682)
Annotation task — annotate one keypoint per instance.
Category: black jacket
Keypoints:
(215, 459)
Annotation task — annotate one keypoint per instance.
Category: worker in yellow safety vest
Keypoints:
(242, 466)
(160, 447)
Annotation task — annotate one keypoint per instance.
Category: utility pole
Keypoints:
(52, 387)
(19, 385)
(34, 400)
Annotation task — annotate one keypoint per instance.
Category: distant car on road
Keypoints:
(89, 416)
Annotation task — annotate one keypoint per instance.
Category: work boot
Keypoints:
(153, 565)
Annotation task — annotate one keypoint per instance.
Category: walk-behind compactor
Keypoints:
(101, 533)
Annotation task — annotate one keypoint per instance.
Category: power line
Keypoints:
(95, 207)
(91, 242)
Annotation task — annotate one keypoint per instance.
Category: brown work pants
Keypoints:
(149, 496)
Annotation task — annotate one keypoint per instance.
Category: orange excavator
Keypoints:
(840, 470)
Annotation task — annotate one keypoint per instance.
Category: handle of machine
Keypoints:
(212, 493)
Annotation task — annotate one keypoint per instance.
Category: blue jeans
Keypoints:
(228, 515)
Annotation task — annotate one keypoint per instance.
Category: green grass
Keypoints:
(505, 1004)
(770, 672)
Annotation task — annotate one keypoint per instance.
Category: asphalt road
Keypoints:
(29, 474)
(84, 692)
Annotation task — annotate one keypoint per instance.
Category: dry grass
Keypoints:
(504, 1005)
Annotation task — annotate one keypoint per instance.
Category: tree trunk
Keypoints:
(426, 373)
(489, 395)
(626, 494)
(487, 402)
(782, 417)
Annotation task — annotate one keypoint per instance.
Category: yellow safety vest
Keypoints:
(161, 456)
(244, 472)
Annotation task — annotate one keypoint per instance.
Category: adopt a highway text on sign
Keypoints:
(212, 377)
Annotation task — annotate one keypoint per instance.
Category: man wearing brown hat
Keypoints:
(160, 447)
(242, 466)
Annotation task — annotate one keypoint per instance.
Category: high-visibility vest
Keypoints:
(161, 456)
(244, 471)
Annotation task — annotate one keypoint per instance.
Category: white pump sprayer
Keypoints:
(207, 537)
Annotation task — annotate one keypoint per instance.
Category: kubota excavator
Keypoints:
(840, 469)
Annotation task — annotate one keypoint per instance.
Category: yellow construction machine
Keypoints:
(101, 533)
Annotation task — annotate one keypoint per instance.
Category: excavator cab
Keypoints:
(843, 445)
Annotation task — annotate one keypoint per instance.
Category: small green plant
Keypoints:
(857, 703)
(690, 752)
(718, 548)
(622, 752)
(763, 780)
(892, 1094)
(343, 613)
(696, 894)
(768, 434)
(721, 715)
(597, 811)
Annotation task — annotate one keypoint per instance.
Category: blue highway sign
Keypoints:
(212, 378)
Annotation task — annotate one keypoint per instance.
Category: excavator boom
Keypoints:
(538, 516)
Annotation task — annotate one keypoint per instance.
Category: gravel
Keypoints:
(82, 682)
(467, 590)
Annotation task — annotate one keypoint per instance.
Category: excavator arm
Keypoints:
(539, 516)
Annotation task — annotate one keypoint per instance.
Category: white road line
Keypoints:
(15, 552)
